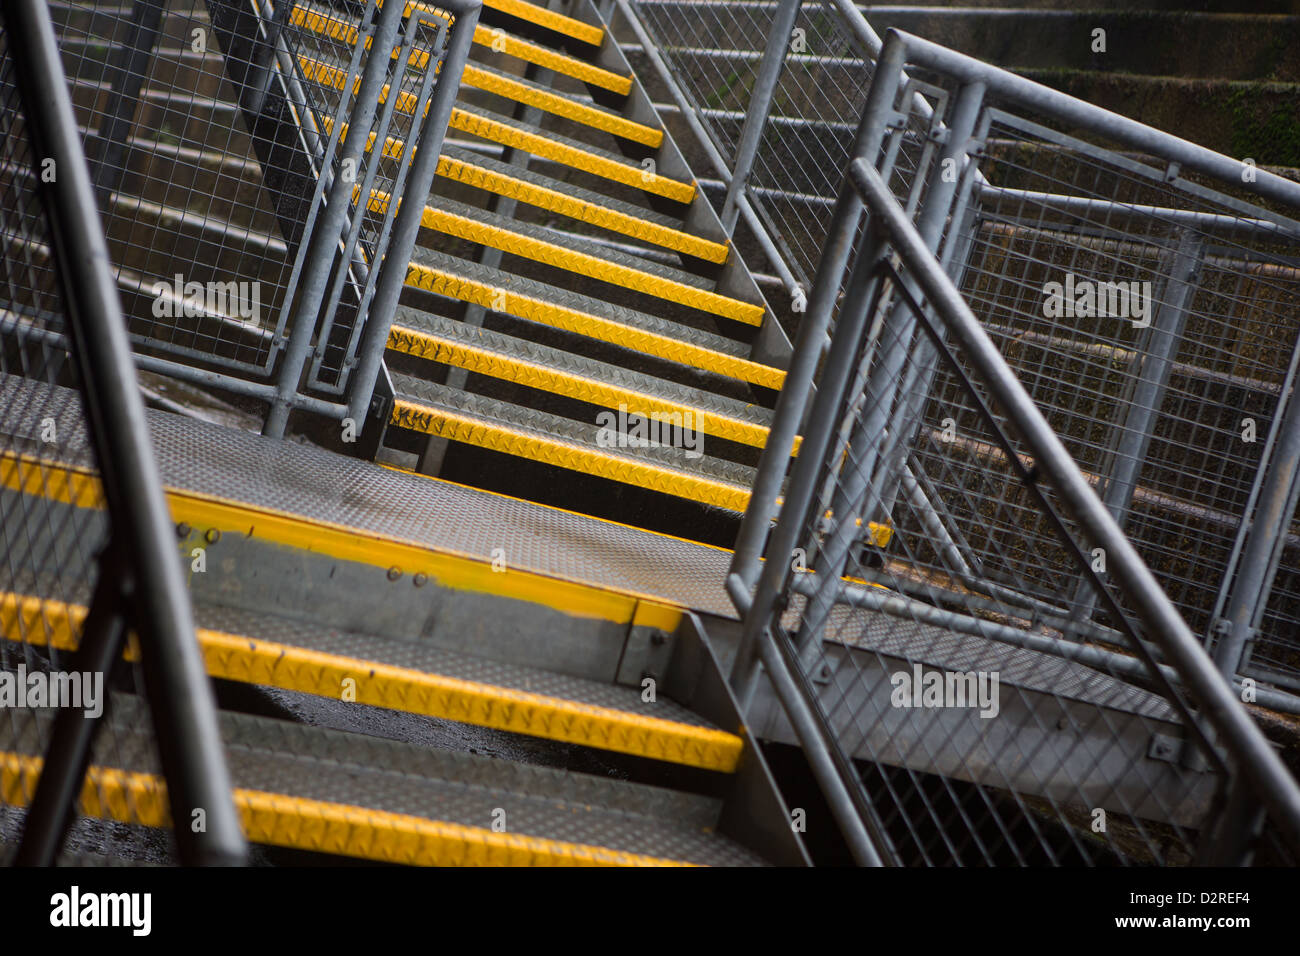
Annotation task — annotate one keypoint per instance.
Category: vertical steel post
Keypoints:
(876, 116)
(850, 331)
(1264, 545)
(760, 105)
(406, 225)
(1148, 395)
(870, 431)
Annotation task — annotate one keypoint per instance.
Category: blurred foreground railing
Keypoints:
(67, 665)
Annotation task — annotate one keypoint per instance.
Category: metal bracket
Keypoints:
(1177, 751)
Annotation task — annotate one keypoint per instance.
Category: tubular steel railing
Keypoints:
(255, 246)
(89, 549)
(971, 648)
(1184, 418)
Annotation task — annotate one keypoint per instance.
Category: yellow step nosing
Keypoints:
(323, 674)
(559, 105)
(321, 826)
(583, 210)
(502, 85)
(460, 427)
(556, 22)
(537, 144)
(447, 351)
(581, 263)
(502, 42)
(499, 299)
(552, 200)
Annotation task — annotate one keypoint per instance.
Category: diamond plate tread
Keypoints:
(416, 679)
(689, 282)
(505, 131)
(352, 795)
(322, 487)
(507, 292)
(513, 238)
(540, 436)
(555, 22)
(451, 342)
(527, 186)
(326, 22)
(488, 80)
(553, 60)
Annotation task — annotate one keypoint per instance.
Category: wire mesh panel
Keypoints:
(714, 48)
(1153, 320)
(55, 534)
(990, 661)
(217, 131)
(200, 236)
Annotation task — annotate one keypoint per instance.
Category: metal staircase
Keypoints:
(514, 368)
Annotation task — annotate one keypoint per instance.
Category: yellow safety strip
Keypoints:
(499, 299)
(556, 22)
(594, 267)
(501, 42)
(536, 144)
(583, 210)
(495, 38)
(38, 621)
(320, 826)
(483, 361)
(543, 146)
(328, 75)
(559, 105)
(472, 431)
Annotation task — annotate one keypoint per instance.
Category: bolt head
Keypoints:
(394, 573)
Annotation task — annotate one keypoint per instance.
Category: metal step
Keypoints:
(561, 149)
(603, 321)
(565, 199)
(472, 419)
(481, 227)
(543, 98)
(352, 795)
(449, 342)
(272, 651)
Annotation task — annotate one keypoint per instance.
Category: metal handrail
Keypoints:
(154, 601)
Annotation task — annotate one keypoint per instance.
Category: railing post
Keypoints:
(1263, 549)
(812, 330)
(760, 105)
(406, 225)
(1166, 334)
